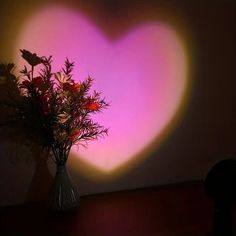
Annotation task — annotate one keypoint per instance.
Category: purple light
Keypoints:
(143, 74)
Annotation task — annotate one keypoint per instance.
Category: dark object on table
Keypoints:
(220, 185)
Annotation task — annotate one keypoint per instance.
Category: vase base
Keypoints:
(58, 210)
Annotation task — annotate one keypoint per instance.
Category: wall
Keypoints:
(204, 133)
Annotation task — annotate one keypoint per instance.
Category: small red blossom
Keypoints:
(37, 81)
(92, 105)
(25, 84)
(72, 88)
(76, 87)
(66, 86)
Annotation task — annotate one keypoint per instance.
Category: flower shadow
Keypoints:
(42, 179)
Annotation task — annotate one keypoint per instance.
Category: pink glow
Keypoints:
(142, 74)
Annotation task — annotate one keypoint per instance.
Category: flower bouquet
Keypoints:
(54, 111)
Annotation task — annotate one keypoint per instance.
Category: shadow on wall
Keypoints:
(16, 147)
(42, 178)
(22, 157)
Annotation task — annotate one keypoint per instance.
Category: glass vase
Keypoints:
(63, 196)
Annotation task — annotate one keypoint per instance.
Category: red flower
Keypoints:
(76, 87)
(25, 84)
(66, 86)
(72, 88)
(92, 105)
(37, 81)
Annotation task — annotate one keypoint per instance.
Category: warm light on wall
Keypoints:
(143, 74)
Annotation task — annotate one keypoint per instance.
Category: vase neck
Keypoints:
(61, 167)
(61, 164)
(60, 155)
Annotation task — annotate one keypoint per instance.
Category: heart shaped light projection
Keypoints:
(142, 74)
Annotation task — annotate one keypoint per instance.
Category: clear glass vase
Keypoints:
(63, 196)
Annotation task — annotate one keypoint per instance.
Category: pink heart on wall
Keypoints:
(142, 74)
